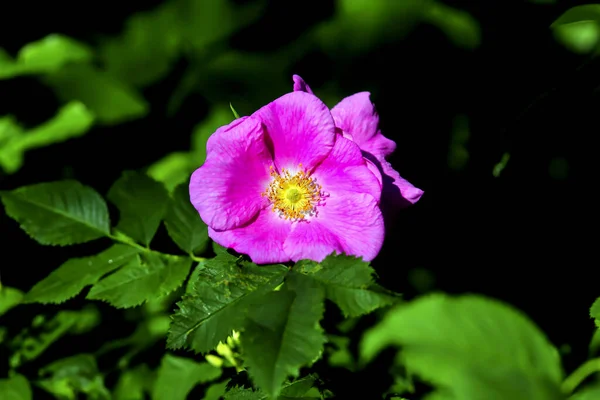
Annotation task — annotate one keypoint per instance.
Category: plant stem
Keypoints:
(580, 374)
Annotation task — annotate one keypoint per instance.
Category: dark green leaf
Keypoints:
(70, 278)
(299, 387)
(44, 56)
(112, 101)
(177, 376)
(9, 298)
(72, 376)
(72, 120)
(146, 276)
(348, 282)
(15, 388)
(58, 213)
(219, 301)
(283, 334)
(184, 224)
(453, 342)
(142, 203)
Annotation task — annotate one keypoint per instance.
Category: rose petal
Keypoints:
(397, 190)
(300, 85)
(261, 239)
(345, 170)
(349, 224)
(226, 189)
(357, 117)
(301, 130)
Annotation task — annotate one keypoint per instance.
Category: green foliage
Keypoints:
(9, 298)
(58, 213)
(453, 342)
(177, 376)
(588, 393)
(183, 223)
(15, 388)
(144, 277)
(72, 120)
(578, 28)
(142, 203)
(134, 383)
(595, 312)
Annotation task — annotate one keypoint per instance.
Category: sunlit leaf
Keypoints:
(142, 203)
(177, 376)
(58, 213)
(452, 342)
(9, 298)
(144, 277)
(219, 301)
(70, 278)
(110, 100)
(72, 120)
(579, 28)
(44, 56)
(283, 333)
(183, 223)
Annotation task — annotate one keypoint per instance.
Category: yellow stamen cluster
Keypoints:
(295, 196)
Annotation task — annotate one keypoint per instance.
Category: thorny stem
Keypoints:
(580, 374)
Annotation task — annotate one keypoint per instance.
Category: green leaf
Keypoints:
(177, 376)
(72, 376)
(146, 49)
(70, 278)
(298, 388)
(112, 101)
(72, 120)
(235, 113)
(9, 298)
(58, 213)
(142, 203)
(44, 56)
(134, 383)
(146, 276)
(215, 391)
(587, 393)
(183, 223)
(15, 388)
(283, 334)
(220, 299)
(348, 282)
(459, 26)
(475, 347)
(579, 28)
(239, 393)
(595, 311)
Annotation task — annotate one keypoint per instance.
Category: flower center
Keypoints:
(293, 196)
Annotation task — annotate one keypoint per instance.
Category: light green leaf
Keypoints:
(134, 383)
(177, 376)
(142, 203)
(72, 120)
(587, 393)
(283, 334)
(72, 376)
(595, 311)
(579, 28)
(348, 282)
(475, 347)
(58, 213)
(146, 49)
(44, 56)
(70, 278)
(235, 113)
(459, 26)
(9, 298)
(215, 391)
(15, 388)
(239, 393)
(183, 223)
(112, 101)
(220, 299)
(173, 169)
(146, 276)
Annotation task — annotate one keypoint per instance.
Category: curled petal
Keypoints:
(357, 117)
(396, 190)
(300, 85)
(261, 239)
(226, 189)
(301, 129)
(345, 224)
(345, 170)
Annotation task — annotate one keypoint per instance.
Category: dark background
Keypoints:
(525, 237)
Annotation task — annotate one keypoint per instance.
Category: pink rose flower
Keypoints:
(297, 181)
